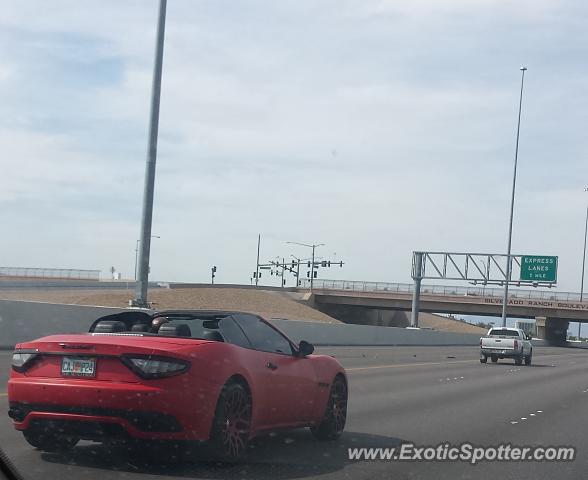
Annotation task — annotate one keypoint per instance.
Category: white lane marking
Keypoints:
(523, 418)
(374, 367)
(539, 411)
(532, 414)
(514, 422)
(357, 369)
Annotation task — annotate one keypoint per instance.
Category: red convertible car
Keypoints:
(219, 377)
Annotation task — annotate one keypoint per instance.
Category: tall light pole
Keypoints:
(583, 264)
(512, 200)
(140, 299)
(136, 257)
(137, 253)
(313, 246)
(257, 265)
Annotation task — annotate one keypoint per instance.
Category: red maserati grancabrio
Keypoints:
(219, 377)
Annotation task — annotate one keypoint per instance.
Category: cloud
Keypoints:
(432, 9)
(376, 127)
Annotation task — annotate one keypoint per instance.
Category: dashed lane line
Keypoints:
(428, 364)
(404, 365)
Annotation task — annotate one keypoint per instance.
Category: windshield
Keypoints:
(294, 239)
(504, 333)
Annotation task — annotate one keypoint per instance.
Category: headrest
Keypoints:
(110, 326)
(213, 335)
(140, 327)
(175, 330)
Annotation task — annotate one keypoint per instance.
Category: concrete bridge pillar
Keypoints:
(540, 325)
(553, 330)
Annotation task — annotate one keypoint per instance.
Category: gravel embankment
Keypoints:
(266, 303)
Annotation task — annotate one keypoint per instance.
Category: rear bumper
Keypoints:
(94, 409)
(137, 423)
(500, 353)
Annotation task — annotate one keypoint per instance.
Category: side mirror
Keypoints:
(305, 348)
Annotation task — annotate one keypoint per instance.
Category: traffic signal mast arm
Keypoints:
(294, 266)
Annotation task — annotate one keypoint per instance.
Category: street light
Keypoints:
(583, 264)
(512, 200)
(313, 246)
(137, 253)
(142, 283)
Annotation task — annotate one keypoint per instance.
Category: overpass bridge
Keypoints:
(552, 310)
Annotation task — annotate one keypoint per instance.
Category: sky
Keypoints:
(375, 127)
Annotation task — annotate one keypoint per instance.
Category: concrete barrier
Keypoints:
(21, 321)
(348, 334)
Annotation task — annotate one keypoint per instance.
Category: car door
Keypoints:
(290, 383)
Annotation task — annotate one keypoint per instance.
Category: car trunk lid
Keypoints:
(97, 356)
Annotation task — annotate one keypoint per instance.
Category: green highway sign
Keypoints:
(538, 268)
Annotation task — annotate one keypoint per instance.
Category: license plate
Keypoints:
(78, 367)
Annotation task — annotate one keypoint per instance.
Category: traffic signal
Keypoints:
(329, 263)
(308, 264)
(308, 274)
(315, 274)
(341, 264)
(324, 263)
(293, 263)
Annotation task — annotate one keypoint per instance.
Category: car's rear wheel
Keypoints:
(49, 441)
(519, 360)
(494, 358)
(483, 359)
(529, 358)
(335, 417)
(231, 426)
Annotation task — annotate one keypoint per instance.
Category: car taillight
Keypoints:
(149, 366)
(23, 359)
(516, 345)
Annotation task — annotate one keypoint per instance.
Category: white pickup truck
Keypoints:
(506, 343)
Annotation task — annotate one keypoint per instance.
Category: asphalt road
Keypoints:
(423, 395)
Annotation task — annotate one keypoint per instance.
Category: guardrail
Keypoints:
(385, 287)
(53, 273)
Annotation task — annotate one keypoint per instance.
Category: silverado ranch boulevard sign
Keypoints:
(529, 302)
